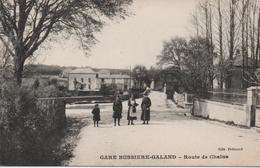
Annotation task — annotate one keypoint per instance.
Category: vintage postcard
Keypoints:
(129, 83)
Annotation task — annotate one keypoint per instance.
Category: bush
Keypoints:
(24, 135)
(106, 90)
(137, 92)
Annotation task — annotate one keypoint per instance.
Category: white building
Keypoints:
(83, 79)
(90, 79)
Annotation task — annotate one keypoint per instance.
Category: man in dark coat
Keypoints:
(117, 110)
(96, 115)
(146, 104)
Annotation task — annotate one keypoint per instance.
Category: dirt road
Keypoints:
(171, 139)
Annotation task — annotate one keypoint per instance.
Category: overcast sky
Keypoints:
(136, 40)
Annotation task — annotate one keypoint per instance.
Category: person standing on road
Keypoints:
(131, 114)
(117, 110)
(96, 115)
(146, 104)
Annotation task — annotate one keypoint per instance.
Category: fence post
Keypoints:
(164, 88)
(152, 84)
(251, 105)
(185, 97)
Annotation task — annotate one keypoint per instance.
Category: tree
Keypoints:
(26, 24)
(108, 89)
(5, 63)
(198, 65)
(140, 74)
(220, 33)
(232, 27)
(172, 53)
(194, 62)
(258, 39)
(154, 73)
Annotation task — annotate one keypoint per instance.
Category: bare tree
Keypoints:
(203, 22)
(231, 28)
(258, 39)
(5, 63)
(244, 7)
(220, 35)
(26, 24)
(172, 52)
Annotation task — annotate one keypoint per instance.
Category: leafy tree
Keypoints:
(198, 65)
(193, 61)
(26, 24)
(53, 81)
(140, 74)
(108, 89)
(154, 73)
(36, 84)
(40, 69)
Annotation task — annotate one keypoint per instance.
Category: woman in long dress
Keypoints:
(146, 104)
(131, 114)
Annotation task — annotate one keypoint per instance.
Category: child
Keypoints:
(131, 114)
(96, 115)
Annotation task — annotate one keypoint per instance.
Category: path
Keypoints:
(170, 133)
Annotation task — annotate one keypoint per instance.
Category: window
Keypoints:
(75, 82)
(81, 86)
(82, 80)
(102, 80)
(89, 80)
(89, 87)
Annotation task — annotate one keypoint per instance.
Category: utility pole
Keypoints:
(130, 78)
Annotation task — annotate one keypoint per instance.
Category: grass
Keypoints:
(66, 142)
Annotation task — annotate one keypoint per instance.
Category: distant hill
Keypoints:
(56, 70)
(41, 69)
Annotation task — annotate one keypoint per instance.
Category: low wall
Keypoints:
(54, 111)
(257, 117)
(179, 99)
(200, 109)
(222, 111)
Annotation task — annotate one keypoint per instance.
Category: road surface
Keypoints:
(171, 139)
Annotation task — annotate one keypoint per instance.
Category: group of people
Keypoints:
(131, 113)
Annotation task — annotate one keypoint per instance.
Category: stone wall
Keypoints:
(183, 100)
(179, 99)
(257, 117)
(237, 114)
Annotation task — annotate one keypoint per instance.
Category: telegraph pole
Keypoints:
(130, 78)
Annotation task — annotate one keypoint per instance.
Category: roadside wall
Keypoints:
(222, 111)
(257, 117)
(179, 99)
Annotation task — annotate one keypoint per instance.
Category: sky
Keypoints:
(136, 40)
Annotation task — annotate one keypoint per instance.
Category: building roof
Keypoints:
(104, 72)
(83, 71)
(114, 76)
(110, 70)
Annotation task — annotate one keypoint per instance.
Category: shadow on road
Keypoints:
(71, 138)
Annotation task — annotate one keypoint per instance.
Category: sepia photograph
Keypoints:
(130, 83)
